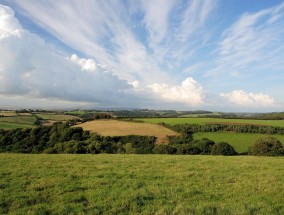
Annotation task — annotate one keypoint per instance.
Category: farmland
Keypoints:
(121, 128)
(240, 141)
(17, 121)
(13, 125)
(12, 120)
(55, 117)
(174, 121)
(147, 184)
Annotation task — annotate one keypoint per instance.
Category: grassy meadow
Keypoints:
(8, 113)
(240, 141)
(17, 121)
(140, 184)
(193, 120)
(56, 117)
(12, 125)
(122, 128)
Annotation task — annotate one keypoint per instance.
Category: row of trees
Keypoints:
(259, 129)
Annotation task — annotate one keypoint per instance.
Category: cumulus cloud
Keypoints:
(29, 66)
(189, 92)
(242, 98)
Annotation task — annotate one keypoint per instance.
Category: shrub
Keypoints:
(187, 149)
(267, 146)
(129, 149)
(164, 149)
(204, 145)
(223, 148)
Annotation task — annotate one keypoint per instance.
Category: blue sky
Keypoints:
(186, 55)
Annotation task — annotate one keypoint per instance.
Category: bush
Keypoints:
(188, 149)
(223, 148)
(164, 149)
(267, 146)
(204, 145)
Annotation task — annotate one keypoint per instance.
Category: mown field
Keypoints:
(12, 125)
(174, 121)
(55, 117)
(17, 121)
(240, 141)
(8, 113)
(140, 184)
(122, 128)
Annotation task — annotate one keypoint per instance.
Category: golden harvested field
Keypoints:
(121, 128)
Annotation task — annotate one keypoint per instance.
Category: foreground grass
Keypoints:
(202, 121)
(240, 141)
(147, 184)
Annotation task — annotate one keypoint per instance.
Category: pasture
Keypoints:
(17, 121)
(193, 120)
(55, 117)
(122, 128)
(140, 184)
(240, 141)
(7, 113)
(12, 125)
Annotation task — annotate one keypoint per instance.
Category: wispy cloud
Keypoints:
(30, 67)
(141, 43)
(107, 32)
(42, 73)
(253, 43)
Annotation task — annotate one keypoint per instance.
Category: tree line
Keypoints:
(259, 129)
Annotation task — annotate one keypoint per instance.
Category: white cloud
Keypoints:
(253, 43)
(197, 12)
(30, 67)
(8, 27)
(86, 64)
(156, 18)
(148, 49)
(242, 98)
(189, 92)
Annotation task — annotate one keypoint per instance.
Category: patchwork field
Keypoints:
(8, 113)
(121, 128)
(140, 184)
(12, 125)
(174, 121)
(240, 141)
(55, 117)
(17, 121)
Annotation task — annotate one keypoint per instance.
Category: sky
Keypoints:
(213, 55)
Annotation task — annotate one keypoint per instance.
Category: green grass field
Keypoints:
(81, 112)
(200, 115)
(240, 141)
(140, 184)
(174, 121)
(12, 125)
(12, 122)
